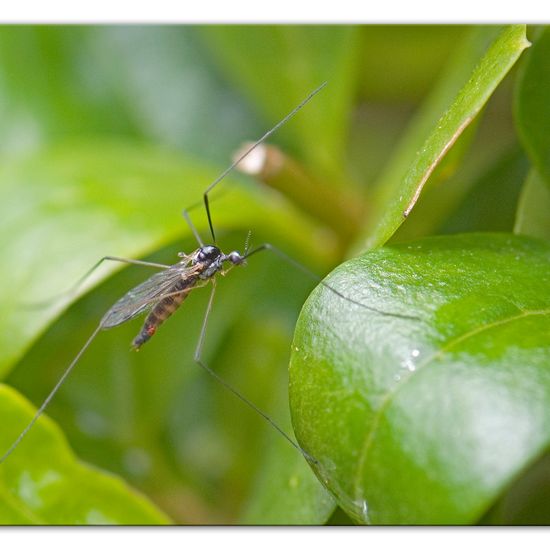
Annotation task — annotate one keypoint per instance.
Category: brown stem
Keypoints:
(336, 208)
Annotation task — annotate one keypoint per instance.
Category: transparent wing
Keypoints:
(147, 294)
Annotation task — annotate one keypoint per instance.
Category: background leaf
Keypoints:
(532, 108)
(534, 204)
(141, 82)
(39, 488)
(401, 63)
(491, 204)
(286, 491)
(426, 420)
(410, 177)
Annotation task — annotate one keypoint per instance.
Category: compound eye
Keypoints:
(208, 253)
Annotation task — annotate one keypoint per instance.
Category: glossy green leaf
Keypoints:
(532, 104)
(426, 419)
(43, 483)
(286, 61)
(533, 213)
(65, 208)
(429, 142)
(482, 196)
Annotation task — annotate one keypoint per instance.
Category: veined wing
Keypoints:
(145, 295)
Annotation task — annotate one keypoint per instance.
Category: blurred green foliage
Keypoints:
(108, 132)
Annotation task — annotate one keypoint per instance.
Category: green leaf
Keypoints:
(429, 141)
(43, 483)
(534, 206)
(163, 77)
(66, 207)
(287, 61)
(532, 105)
(492, 202)
(287, 493)
(401, 62)
(426, 420)
(132, 87)
(43, 96)
(527, 501)
(481, 198)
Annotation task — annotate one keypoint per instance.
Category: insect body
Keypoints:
(164, 292)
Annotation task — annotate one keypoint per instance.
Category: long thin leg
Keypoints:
(201, 363)
(304, 269)
(50, 396)
(191, 225)
(64, 376)
(80, 281)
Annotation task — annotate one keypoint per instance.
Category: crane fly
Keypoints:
(164, 292)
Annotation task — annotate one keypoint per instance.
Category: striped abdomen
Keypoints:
(163, 309)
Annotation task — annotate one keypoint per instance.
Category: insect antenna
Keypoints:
(247, 243)
(248, 151)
